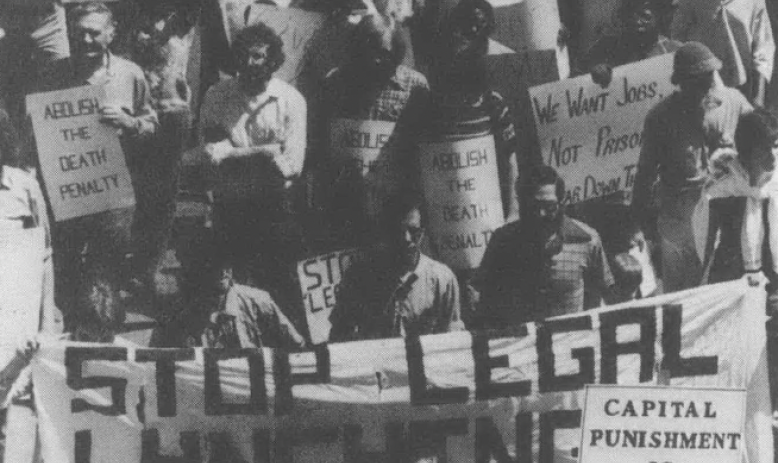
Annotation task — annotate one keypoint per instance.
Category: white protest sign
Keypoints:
(478, 397)
(358, 147)
(592, 135)
(319, 278)
(634, 424)
(296, 28)
(461, 187)
(81, 159)
(21, 281)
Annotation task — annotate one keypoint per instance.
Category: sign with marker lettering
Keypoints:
(319, 279)
(461, 187)
(81, 159)
(358, 149)
(636, 424)
(295, 26)
(592, 135)
(461, 397)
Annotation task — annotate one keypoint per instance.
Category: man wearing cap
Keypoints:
(679, 134)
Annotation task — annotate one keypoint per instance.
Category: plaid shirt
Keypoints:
(516, 288)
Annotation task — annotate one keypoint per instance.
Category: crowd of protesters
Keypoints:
(704, 207)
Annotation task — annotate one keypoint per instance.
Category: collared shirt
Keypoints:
(516, 288)
(737, 31)
(373, 302)
(125, 86)
(614, 50)
(677, 141)
(249, 317)
(275, 116)
(730, 179)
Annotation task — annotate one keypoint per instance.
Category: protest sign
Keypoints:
(296, 28)
(319, 279)
(512, 396)
(638, 424)
(462, 191)
(359, 151)
(81, 159)
(592, 135)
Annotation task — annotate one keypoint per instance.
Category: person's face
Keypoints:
(90, 37)
(466, 34)
(375, 53)
(407, 236)
(255, 69)
(224, 279)
(698, 85)
(545, 208)
(640, 21)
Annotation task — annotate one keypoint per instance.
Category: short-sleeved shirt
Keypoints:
(275, 116)
(374, 302)
(249, 317)
(515, 288)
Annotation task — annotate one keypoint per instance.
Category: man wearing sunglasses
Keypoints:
(544, 265)
(397, 290)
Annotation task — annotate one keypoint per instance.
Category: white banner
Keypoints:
(466, 396)
(461, 187)
(319, 279)
(81, 160)
(592, 135)
(634, 424)
(357, 148)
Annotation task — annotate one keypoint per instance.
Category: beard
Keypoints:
(255, 79)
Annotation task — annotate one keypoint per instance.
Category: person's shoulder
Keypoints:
(256, 294)
(508, 231)
(435, 269)
(411, 78)
(664, 106)
(577, 232)
(280, 88)
(127, 67)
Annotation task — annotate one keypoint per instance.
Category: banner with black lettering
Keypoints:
(81, 159)
(592, 135)
(469, 397)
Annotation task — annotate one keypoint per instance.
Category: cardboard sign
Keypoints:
(81, 160)
(461, 187)
(358, 147)
(296, 28)
(592, 135)
(477, 397)
(319, 279)
(663, 424)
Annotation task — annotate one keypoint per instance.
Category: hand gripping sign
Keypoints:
(81, 159)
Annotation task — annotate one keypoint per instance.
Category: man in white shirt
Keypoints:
(253, 129)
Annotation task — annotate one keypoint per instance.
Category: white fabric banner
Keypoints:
(592, 135)
(81, 159)
(471, 396)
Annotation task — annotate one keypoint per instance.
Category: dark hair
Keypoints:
(396, 207)
(538, 176)
(630, 6)
(627, 271)
(467, 12)
(754, 129)
(85, 9)
(258, 34)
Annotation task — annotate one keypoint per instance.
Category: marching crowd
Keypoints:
(704, 206)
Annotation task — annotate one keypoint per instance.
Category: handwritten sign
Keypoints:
(462, 191)
(296, 28)
(358, 149)
(319, 279)
(592, 135)
(663, 424)
(81, 160)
